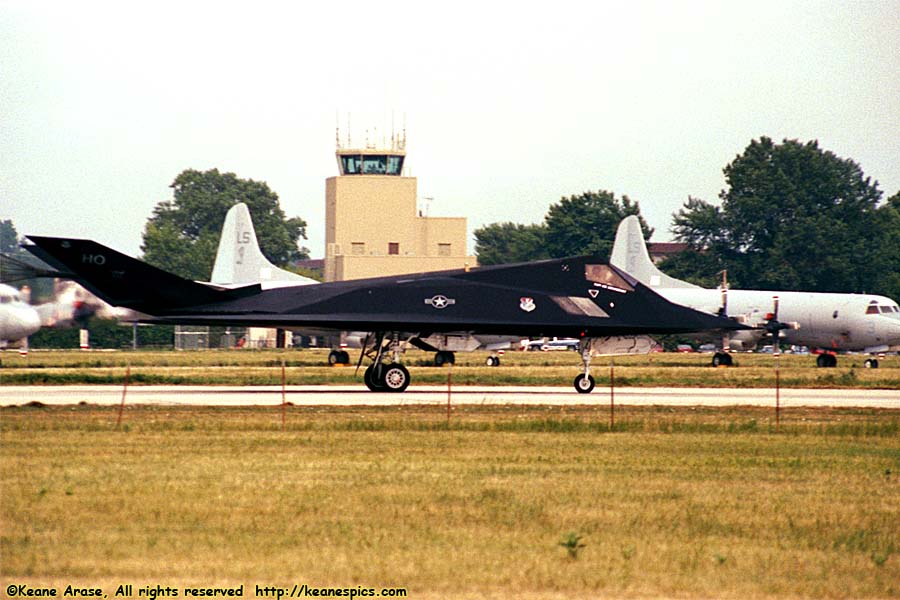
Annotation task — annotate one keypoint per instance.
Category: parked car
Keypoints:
(684, 348)
(548, 345)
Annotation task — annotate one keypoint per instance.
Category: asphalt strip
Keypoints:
(486, 395)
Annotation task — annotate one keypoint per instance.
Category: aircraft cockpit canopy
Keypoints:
(877, 308)
(10, 298)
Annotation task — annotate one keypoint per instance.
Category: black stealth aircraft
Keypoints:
(579, 297)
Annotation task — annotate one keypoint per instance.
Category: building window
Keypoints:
(393, 247)
(443, 249)
(358, 248)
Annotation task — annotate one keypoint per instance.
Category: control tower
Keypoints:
(372, 225)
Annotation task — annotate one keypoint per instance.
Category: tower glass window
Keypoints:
(371, 164)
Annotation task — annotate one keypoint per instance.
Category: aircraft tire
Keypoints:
(721, 359)
(394, 378)
(334, 357)
(345, 357)
(871, 363)
(492, 361)
(444, 357)
(584, 385)
(826, 361)
(371, 380)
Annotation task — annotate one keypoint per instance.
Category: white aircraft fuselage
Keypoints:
(824, 320)
(829, 321)
(18, 319)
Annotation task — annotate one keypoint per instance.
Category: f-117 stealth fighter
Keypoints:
(580, 297)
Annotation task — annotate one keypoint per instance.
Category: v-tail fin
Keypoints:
(124, 281)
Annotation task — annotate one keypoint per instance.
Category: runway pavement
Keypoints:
(359, 396)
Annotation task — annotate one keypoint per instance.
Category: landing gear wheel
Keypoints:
(871, 363)
(721, 359)
(338, 357)
(444, 357)
(584, 385)
(371, 380)
(492, 361)
(826, 361)
(394, 378)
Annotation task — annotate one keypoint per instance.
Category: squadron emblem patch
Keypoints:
(527, 304)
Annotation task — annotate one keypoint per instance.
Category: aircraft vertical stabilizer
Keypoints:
(630, 254)
(239, 259)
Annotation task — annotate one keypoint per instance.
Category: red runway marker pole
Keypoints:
(777, 392)
(283, 400)
(124, 389)
(612, 394)
(449, 379)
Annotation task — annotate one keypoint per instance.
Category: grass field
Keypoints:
(247, 367)
(675, 502)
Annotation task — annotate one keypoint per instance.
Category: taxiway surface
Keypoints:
(359, 396)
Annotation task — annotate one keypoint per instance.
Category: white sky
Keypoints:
(508, 106)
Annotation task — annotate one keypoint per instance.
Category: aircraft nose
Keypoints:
(893, 332)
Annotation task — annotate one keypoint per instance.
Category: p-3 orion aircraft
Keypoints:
(579, 297)
(830, 321)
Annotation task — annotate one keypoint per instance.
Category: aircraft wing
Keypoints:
(579, 296)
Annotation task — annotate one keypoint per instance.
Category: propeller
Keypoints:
(774, 327)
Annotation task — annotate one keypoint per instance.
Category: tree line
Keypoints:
(793, 216)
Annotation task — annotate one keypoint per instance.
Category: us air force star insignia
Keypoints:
(439, 301)
(527, 304)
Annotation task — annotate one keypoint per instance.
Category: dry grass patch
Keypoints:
(693, 503)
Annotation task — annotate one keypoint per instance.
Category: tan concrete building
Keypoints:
(373, 227)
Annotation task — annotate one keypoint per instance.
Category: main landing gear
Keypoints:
(381, 377)
(386, 378)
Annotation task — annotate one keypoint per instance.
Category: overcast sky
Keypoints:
(508, 106)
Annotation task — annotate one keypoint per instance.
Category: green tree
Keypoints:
(577, 225)
(9, 238)
(17, 266)
(701, 225)
(889, 281)
(793, 216)
(500, 243)
(586, 224)
(182, 235)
